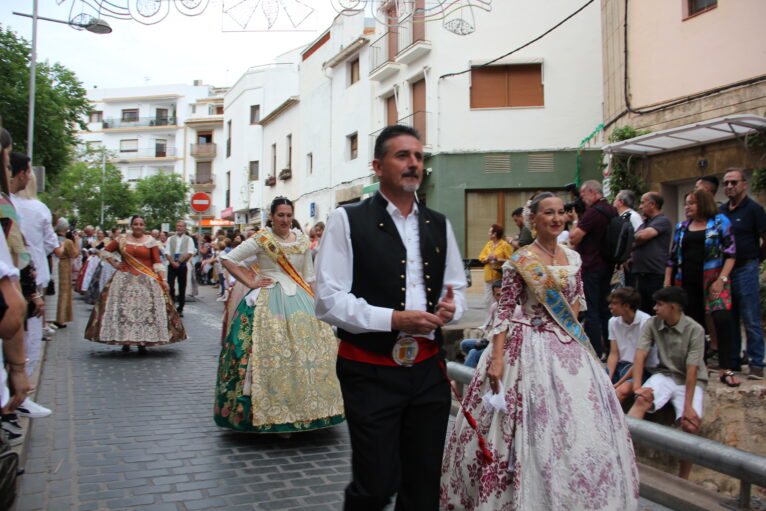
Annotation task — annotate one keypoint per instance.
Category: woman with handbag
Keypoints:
(135, 309)
(496, 252)
(701, 259)
(276, 371)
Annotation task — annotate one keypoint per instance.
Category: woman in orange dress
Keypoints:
(134, 308)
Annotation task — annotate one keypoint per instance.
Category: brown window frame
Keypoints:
(353, 72)
(353, 146)
(254, 168)
(690, 12)
(96, 116)
(507, 86)
(125, 118)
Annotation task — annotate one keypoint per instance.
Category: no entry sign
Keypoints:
(200, 202)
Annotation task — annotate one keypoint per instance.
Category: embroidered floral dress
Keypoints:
(133, 308)
(276, 371)
(563, 443)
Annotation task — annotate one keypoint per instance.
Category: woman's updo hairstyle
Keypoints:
(278, 201)
(132, 219)
(531, 209)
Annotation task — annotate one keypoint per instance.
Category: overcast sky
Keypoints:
(178, 49)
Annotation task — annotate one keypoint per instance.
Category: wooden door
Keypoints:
(392, 115)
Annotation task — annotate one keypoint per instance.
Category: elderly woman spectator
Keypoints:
(496, 252)
(69, 253)
(700, 262)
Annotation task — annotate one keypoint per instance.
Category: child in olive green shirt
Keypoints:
(681, 375)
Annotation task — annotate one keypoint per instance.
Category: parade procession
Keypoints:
(410, 255)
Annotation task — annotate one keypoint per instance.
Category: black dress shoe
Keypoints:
(181, 313)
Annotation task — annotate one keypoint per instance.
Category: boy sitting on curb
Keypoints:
(681, 375)
(624, 331)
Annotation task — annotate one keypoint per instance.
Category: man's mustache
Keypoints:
(411, 173)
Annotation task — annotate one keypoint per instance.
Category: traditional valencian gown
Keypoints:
(563, 442)
(276, 371)
(133, 308)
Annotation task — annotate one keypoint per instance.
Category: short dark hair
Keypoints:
(626, 295)
(741, 171)
(5, 138)
(389, 132)
(498, 230)
(19, 163)
(497, 284)
(712, 180)
(657, 199)
(518, 212)
(671, 294)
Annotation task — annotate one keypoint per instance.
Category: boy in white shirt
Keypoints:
(624, 332)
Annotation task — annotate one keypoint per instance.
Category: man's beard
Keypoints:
(411, 188)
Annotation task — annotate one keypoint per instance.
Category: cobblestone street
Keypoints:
(136, 431)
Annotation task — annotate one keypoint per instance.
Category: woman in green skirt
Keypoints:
(276, 372)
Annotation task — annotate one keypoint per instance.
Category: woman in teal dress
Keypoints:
(276, 371)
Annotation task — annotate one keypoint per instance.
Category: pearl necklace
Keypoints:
(552, 255)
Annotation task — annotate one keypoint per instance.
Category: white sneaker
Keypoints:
(31, 409)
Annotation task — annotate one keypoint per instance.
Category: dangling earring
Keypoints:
(533, 230)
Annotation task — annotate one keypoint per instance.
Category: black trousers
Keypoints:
(180, 274)
(397, 418)
(646, 285)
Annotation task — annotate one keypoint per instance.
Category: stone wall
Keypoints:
(732, 416)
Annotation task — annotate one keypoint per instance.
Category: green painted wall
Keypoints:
(452, 174)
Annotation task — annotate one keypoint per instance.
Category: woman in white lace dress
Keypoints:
(558, 438)
(135, 308)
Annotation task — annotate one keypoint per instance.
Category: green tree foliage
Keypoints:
(624, 176)
(76, 192)
(61, 104)
(162, 198)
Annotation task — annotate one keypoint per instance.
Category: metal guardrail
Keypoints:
(149, 152)
(749, 468)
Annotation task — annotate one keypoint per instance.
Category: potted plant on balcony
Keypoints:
(271, 181)
(285, 174)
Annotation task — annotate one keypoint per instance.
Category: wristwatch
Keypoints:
(724, 279)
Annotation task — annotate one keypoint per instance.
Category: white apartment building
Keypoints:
(496, 127)
(311, 140)
(258, 97)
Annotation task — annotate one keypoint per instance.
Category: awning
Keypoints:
(691, 135)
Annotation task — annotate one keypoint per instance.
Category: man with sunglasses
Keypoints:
(748, 221)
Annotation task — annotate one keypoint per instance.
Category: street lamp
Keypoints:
(95, 25)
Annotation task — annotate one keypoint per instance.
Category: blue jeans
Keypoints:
(746, 306)
(596, 289)
(468, 346)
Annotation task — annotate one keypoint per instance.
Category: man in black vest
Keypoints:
(389, 275)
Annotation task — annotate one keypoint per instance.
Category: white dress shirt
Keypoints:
(335, 303)
(37, 228)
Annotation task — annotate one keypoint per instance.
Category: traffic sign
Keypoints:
(200, 202)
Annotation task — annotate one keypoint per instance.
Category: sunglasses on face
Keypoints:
(731, 183)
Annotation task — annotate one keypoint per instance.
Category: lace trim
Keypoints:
(299, 246)
(149, 243)
(158, 267)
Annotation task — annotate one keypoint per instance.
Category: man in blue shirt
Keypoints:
(748, 222)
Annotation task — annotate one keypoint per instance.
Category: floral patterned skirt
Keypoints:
(563, 443)
(276, 371)
(134, 310)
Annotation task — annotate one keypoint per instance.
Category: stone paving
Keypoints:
(133, 431)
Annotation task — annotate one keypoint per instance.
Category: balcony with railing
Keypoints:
(139, 122)
(203, 150)
(202, 181)
(271, 181)
(412, 42)
(382, 51)
(149, 152)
